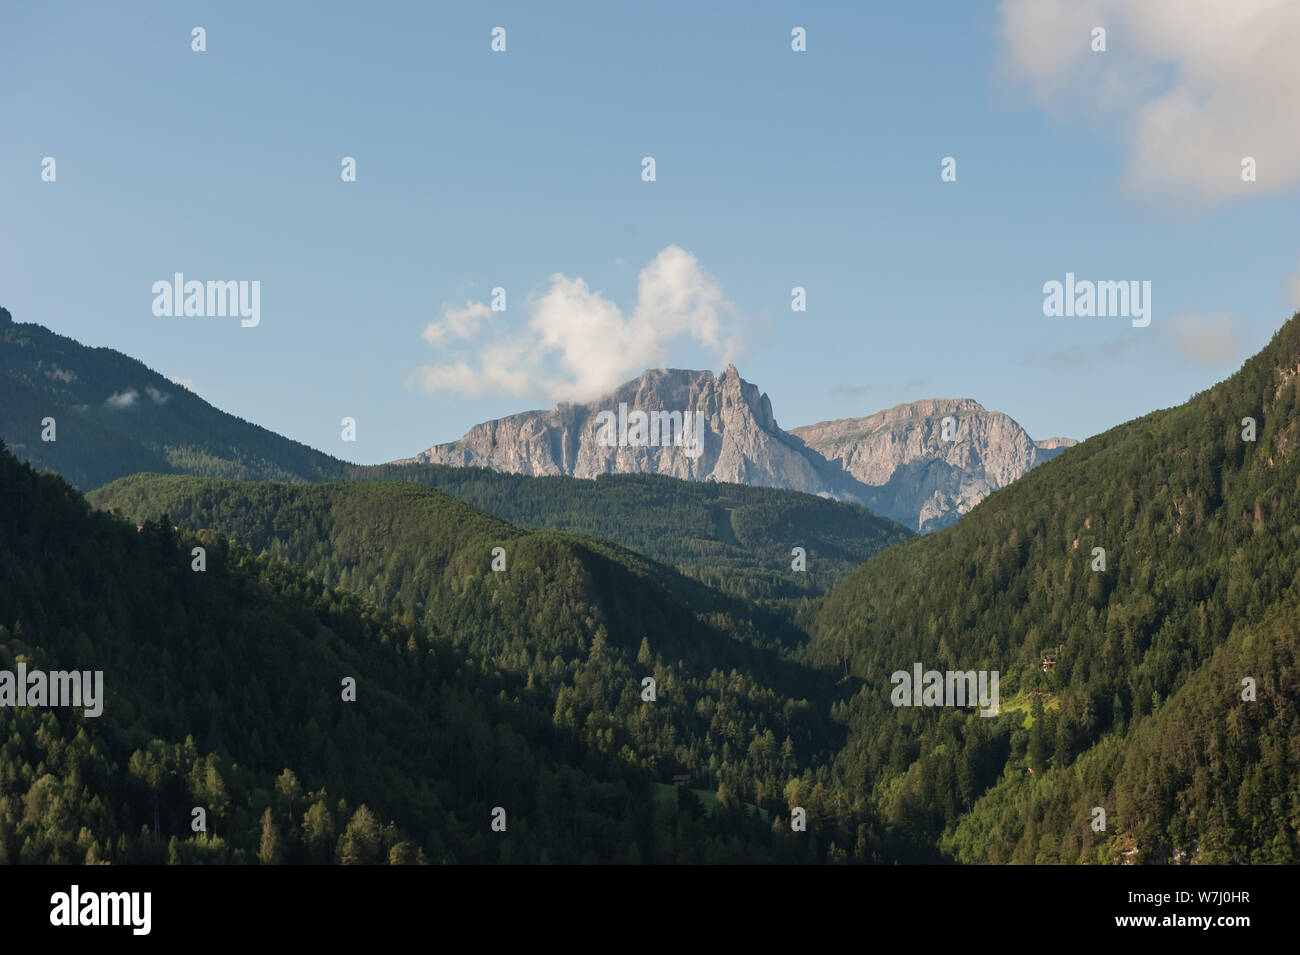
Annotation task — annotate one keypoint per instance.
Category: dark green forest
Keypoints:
(733, 537)
(1171, 705)
(223, 691)
(1143, 713)
(580, 620)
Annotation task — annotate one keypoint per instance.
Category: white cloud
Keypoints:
(456, 322)
(122, 399)
(1207, 338)
(501, 371)
(186, 383)
(1193, 86)
(1293, 289)
(578, 345)
(157, 396)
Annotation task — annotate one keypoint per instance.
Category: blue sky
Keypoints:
(774, 169)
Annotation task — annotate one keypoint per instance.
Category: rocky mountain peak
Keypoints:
(899, 462)
(919, 470)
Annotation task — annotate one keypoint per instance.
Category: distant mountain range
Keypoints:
(115, 417)
(897, 463)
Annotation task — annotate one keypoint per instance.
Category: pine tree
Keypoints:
(1037, 743)
(361, 843)
(1062, 755)
(318, 833)
(270, 851)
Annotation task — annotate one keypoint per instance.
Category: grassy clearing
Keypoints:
(1024, 700)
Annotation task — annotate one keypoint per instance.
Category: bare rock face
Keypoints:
(897, 462)
(917, 473)
(739, 440)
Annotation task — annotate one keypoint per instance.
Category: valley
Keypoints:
(498, 630)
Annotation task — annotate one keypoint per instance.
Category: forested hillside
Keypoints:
(1143, 713)
(733, 537)
(223, 691)
(113, 416)
(1157, 566)
(581, 622)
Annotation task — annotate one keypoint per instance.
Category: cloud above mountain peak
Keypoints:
(579, 345)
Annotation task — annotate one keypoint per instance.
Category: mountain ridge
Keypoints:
(114, 415)
(924, 481)
(902, 454)
(1157, 565)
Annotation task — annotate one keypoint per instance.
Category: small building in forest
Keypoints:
(681, 779)
(1049, 661)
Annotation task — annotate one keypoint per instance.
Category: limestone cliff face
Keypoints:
(914, 474)
(741, 444)
(896, 462)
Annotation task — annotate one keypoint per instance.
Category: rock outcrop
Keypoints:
(897, 462)
(741, 441)
(918, 475)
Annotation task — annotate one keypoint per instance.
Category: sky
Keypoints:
(522, 169)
